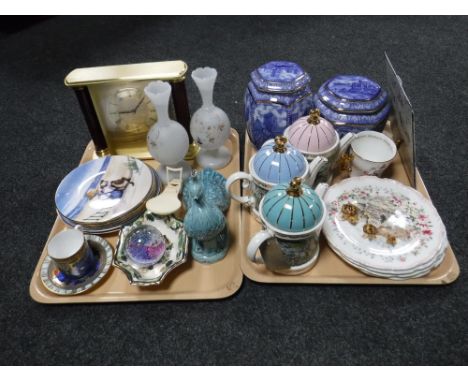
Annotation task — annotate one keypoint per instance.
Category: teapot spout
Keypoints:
(314, 168)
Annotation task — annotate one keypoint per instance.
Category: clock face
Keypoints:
(130, 111)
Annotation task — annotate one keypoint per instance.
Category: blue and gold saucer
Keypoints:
(59, 283)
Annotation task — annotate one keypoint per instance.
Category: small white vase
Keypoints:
(167, 140)
(210, 126)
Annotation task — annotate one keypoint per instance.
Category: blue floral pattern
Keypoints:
(277, 95)
(352, 87)
(280, 76)
(347, 106)
(357, 119)
(266, 120)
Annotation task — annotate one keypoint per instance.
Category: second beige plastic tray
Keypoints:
(330, 269)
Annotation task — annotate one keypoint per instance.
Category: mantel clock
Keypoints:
(116, 110)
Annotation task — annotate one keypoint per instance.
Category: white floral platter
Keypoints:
(394, 231)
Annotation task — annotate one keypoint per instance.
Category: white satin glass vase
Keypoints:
(167, 139)
(210, 126)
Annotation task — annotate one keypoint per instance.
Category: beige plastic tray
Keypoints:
(190, 281)
(330, 269)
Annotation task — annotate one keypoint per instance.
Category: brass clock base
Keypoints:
(102, 153)
(192, 152)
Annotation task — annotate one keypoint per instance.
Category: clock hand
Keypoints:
(137, 106)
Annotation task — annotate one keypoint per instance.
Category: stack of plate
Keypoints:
(106, 193)
(353, 104)
(384, 228)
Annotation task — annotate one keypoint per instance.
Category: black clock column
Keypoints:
(94, 127)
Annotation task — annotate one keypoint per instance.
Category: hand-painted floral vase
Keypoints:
(206, 225)
(353, 104)
(277, 94)
(210, 126)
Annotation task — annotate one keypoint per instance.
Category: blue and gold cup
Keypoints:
(71, 253)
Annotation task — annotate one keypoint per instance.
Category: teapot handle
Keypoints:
(321, 189)
(247, 200)
(344, 144)
(314, 168)
(255, 243)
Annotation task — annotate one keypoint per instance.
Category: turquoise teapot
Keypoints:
(293, 215)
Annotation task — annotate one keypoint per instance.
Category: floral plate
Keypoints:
(383, 227)
(143, 273)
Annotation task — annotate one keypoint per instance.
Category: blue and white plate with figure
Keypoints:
(104, 190)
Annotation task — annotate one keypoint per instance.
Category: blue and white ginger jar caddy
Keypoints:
(353, 104)
(278, 94)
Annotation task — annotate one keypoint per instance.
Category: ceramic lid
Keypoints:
(278, 161)
(312, 134)
(285, 99)
(280, 77)
(352, 119)
(349, 106)
(292, 207)
(355, 88)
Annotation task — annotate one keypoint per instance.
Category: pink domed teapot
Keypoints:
(314, 136)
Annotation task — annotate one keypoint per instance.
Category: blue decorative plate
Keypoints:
(104, 190)
(280, 77)
(354, 88)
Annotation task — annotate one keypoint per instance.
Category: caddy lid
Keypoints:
(280, 77)
(354, 88)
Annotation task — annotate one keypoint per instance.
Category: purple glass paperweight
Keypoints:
(145, 245)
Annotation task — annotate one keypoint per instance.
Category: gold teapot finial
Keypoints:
(295, 188)
(314, 116)
(280, 144)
